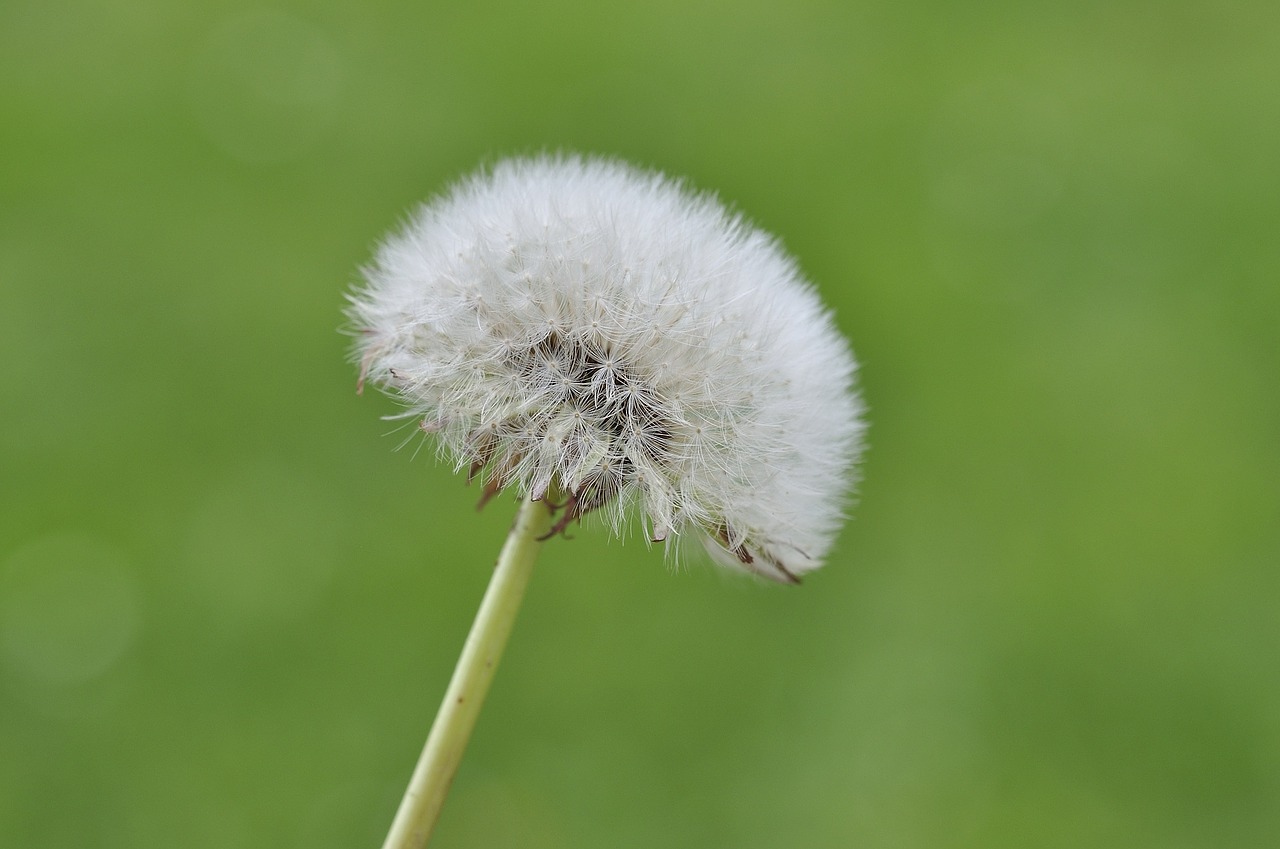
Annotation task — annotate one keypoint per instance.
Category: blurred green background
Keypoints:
(228, 607)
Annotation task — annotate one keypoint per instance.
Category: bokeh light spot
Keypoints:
(68, 609)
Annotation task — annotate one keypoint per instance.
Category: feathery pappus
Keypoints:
(599, 335)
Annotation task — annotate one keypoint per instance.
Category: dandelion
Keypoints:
(599, 338)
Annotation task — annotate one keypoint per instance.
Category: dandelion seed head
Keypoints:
(578, 325)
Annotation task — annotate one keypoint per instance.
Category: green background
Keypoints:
(228, 607)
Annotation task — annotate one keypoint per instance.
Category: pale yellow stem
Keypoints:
(420, 807)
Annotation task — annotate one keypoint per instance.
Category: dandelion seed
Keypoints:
(578, 325)
(601, 339)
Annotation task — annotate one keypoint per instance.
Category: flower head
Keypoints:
(580, 327)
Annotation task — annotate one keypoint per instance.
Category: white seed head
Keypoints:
(578, 326)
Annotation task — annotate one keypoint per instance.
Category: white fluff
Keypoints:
(578, 326)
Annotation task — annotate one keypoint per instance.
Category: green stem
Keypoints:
(420, 807)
